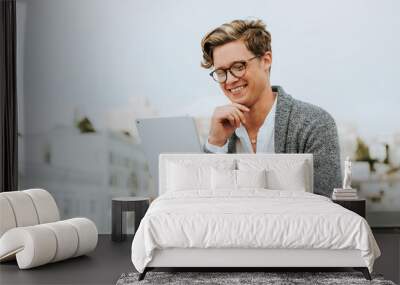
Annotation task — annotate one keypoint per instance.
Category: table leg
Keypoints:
(116, 216)
(140, 211)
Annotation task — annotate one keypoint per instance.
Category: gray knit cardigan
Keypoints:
(305, 128)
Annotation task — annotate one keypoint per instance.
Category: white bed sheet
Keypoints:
(251, 218)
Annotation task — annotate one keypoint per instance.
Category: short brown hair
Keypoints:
(253, 32)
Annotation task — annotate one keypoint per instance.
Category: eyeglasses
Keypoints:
(237, 69)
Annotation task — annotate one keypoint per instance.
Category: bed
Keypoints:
(247, 210)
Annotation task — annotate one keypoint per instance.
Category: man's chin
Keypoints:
(239, 100)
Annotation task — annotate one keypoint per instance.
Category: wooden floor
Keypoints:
(103, 266)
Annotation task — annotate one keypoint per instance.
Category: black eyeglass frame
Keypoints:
(244, 62)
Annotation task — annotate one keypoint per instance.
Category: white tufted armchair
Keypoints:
(31, 230)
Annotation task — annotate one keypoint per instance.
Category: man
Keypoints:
(261, 117)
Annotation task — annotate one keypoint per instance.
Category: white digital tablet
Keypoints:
(167, 135)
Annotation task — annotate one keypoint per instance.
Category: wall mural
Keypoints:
(87, 71)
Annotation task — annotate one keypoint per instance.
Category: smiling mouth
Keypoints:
(237, 89)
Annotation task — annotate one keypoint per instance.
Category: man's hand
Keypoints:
(225, 120)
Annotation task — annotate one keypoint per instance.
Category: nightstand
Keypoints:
(357, 205)
(139, 205)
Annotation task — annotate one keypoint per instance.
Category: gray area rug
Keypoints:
(229, 278)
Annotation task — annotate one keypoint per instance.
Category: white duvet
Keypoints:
(252, 218)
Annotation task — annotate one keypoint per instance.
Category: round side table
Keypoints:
(139, 205)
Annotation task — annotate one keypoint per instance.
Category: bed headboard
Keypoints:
(271, 159)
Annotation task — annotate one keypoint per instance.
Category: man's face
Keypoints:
(247, 89)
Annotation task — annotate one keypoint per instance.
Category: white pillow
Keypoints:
(223, 179)
(183, 177)
(193, 174)
(282, 174)
(237, 179)
(293, 181)
(251, 178)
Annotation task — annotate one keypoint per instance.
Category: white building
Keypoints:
(83, 171)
